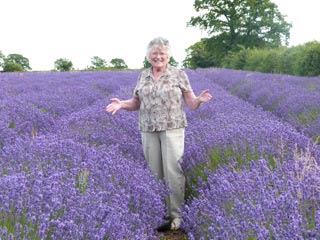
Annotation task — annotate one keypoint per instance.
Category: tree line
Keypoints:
(243, 34)
(19, 63)
(248, 35)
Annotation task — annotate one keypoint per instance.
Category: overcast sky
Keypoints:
(45, 30)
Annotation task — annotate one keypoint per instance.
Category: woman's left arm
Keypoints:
(194, 102)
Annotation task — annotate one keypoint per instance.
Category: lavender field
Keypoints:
(292, 98)
(69, 170)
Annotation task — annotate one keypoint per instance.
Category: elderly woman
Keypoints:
(159, 95)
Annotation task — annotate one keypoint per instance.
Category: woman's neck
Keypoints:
(159, 69)
(157, 72)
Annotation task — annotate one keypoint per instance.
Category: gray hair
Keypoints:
(159, 42)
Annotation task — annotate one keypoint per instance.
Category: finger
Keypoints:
(109, 108)
(206, 91)
(114, 99)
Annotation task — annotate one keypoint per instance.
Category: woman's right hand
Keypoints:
(114, 106)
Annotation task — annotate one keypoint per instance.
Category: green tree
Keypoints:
(237, 24)
(14, 60)
(118, 63)
(98, 63)
(173, 62)
(12, 67)
(309, 60)
(1, 60)
(146, 63)
(198, 56)
(63, 65)
(246, 22)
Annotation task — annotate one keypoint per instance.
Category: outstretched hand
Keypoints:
(204, 96)
(114, 106)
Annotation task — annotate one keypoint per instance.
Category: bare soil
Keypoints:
(173, 235)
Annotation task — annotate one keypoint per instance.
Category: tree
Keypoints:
(146, 63)
(237, 24)
(198, 56)
(12, 60)
(98, 63)
(118, 63)
(1, 60)
(173, 62)
(12, 67)
(63, 65)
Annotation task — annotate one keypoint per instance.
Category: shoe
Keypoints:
(165, 226)
(175, 224)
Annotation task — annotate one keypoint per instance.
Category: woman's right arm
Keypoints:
(116, 104)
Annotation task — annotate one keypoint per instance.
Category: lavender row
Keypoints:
(234, 199)
(60, 189)
(31, 103)
(76, 181)
(293, 99)
(228, 121)
(258, 202)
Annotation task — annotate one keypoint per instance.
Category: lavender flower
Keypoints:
(69, 170)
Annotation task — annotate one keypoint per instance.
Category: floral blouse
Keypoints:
(161, 101)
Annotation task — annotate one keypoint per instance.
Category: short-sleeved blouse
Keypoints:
(161, 101)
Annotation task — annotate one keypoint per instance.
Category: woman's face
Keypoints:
(158, 57)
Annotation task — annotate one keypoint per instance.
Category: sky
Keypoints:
(46, 30)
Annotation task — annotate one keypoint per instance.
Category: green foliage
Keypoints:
(146, 63)
(173, 62)
(15, 63)
(219, 157)
(12, 125)
(63, 65)
(12, 67)
(309, 61)
(118, 63)
(98, 63)
(235, 25)
(287, 60)
(199, 56)
(303, 60)
(247, 22)
(82, 181)
(1, 60)
(306, 118)
(236, 60)
(12, 221)
(262, 60)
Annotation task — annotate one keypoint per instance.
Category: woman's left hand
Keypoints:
(204, 96)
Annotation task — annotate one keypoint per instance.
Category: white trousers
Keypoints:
(163, 152)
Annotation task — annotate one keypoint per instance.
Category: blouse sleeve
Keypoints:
(136, 89)
(184, 82)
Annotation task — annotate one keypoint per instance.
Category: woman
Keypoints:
(159, 95)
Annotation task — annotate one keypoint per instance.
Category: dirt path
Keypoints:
(174, 235)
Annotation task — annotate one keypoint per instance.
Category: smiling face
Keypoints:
(159, 57)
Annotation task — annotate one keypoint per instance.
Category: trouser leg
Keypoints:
(172, 148)
(152, 152)
(163, 152)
